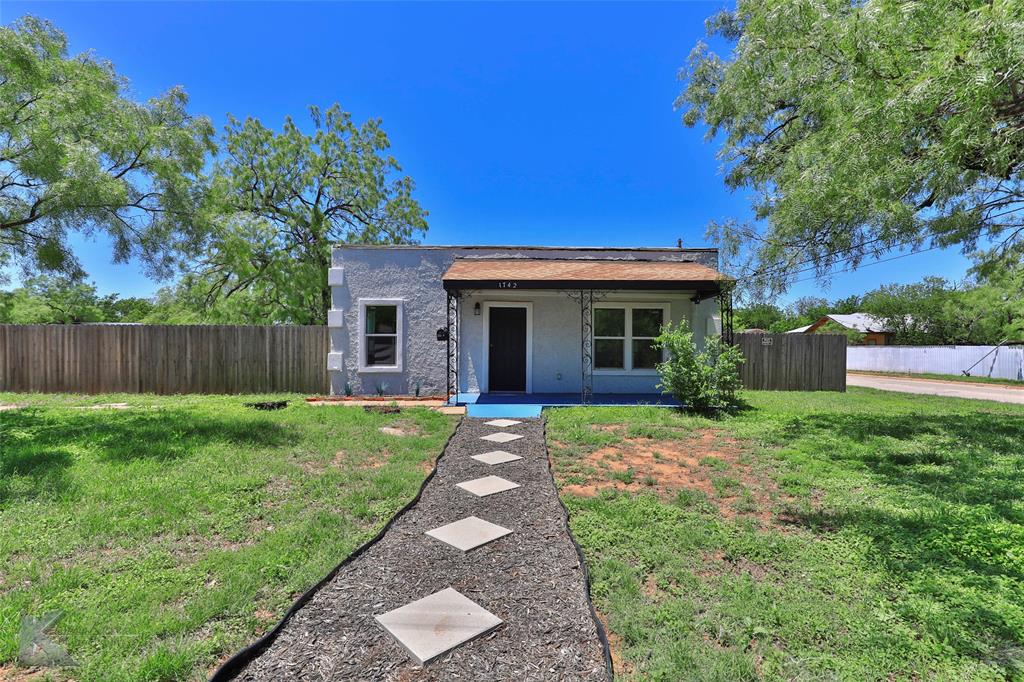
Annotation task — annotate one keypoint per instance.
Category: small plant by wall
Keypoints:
(703, 380)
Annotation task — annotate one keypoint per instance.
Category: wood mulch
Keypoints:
(531, 579)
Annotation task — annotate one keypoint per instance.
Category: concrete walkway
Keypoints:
(951, 389)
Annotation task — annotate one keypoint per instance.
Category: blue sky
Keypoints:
(521, 123)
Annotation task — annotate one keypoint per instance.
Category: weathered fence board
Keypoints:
(166, 359)
(793, 362)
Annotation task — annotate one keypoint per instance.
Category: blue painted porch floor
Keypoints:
(528, 405)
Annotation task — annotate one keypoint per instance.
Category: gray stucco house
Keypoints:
(469, 320)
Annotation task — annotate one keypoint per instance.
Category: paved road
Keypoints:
(952, 389)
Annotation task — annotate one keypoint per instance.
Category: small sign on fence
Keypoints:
(767, 340)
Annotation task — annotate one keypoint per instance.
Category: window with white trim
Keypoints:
(624, 336)
(380, 335)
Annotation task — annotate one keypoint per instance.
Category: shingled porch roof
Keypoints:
(551, 273)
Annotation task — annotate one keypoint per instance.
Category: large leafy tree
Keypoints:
(862, 127)
(59, 299)
(78, 154)
(937, 312)
(279, 201)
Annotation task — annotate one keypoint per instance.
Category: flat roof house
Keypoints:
(468, 320)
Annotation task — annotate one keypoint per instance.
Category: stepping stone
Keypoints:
(488, 485)
(502, 423)
(496, 457)
(469, 533)
(429, 627)
(501, 437)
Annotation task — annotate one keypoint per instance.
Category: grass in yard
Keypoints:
(857, 536)
(175, 531)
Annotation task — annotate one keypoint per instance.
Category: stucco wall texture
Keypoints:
(413, 274)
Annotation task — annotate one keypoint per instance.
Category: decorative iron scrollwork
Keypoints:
(725, 307)
(586, 298)
(452, 348)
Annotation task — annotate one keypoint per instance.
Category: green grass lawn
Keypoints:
(173, 533)
(857, 536)
(946, 377)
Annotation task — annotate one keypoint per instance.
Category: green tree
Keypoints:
(758, 316)
(936, 312)
(863, 127)
(131, 309)
(999, 300)
(279, 201)
(47, 299)
(78, 155)
(60, 299)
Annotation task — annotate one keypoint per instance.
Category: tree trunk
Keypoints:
(325, 303)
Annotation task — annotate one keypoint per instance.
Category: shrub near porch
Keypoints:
(175, 531)
(813, 536)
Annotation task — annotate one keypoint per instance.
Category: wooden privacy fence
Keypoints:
(167, 359)
(793, 362)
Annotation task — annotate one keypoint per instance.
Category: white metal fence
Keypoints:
(1004, 362)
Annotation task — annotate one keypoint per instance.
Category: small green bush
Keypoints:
(703, 380)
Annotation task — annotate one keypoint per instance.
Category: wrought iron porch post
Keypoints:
(725, 306)
(587, 347)
(452, 345)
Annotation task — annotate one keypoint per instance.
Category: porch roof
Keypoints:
(552, 273)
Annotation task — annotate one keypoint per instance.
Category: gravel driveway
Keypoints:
(532, 579)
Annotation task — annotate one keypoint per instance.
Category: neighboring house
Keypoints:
(875, 332)
(479, 319)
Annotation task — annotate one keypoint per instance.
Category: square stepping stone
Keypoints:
(502, 423)
(496, 457)
(488, 485)
(429, 627)
(469, 533)
(501, 437)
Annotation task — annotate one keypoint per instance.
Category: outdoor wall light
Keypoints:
(476, 308)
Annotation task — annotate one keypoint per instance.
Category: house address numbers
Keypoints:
(508, 285)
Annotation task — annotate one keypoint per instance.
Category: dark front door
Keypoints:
(506, 357)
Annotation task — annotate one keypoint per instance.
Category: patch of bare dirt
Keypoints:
(360, 460)
(707, 460)
(717, 563)
(105, 406)
(311, 466)
(401, 429)
(10, 673)
(277, 489)
(188, 548)
(622, 666)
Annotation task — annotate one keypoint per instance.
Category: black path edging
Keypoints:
(234, 665)
(606, 649)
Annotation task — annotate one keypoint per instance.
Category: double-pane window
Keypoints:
(380, 335)
(624, 336)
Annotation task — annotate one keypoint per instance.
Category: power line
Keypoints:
(782, 268)
(876, 262)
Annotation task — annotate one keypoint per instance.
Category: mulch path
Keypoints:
(531, 579)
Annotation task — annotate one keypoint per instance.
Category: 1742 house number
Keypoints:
(508, 285)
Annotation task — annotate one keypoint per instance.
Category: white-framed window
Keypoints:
(380, 335)
(624, 337)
